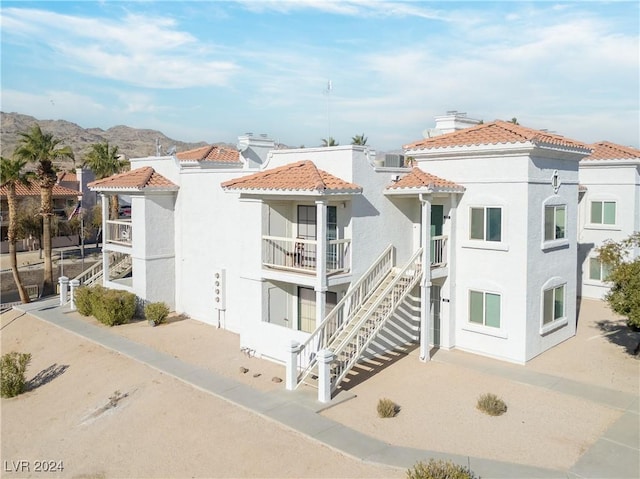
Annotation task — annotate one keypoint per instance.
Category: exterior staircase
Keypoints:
(356, 320)
(119, 267)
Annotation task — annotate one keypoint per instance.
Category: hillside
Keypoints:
(132, 142)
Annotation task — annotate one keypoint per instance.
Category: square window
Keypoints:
(486, 224)
(603, 212)
(484, 308)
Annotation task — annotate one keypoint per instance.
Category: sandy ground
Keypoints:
(164, 428)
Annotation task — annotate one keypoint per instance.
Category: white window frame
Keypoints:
(601, 224)
(469, 325)
(556, 323)
(599, 280)
(501, 245)
(554, 202)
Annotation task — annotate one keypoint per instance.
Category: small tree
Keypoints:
(624, 276)
(329, 142)
(359, 140)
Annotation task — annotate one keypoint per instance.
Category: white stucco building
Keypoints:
(609, 208)
(320, 253)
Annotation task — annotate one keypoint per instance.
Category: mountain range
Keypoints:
(131, 142)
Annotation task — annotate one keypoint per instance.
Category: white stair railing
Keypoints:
(95, 273)
(352, 346)
(343, 313)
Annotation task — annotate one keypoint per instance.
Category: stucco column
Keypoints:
(425, 284)
(74, 285)
(104, 203)
(64, 289)
(321, 260)
(292, 366)
(325, 357)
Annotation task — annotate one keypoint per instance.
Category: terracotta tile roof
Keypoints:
(300, 176)
(34, 190)
(67, 176)
(605, 150)
(136, 180)
(215, 153)
(419, 179)
(495, 133)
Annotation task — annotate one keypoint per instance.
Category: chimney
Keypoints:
(454, 121)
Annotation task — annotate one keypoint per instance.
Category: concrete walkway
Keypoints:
(616, 454)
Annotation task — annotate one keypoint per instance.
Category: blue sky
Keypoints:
(210, 71)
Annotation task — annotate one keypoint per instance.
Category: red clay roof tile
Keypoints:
(418, 178)
(495, 133)
(215, 153)
(34, 190)
(137, 179)
(300, 176)
(605, 150)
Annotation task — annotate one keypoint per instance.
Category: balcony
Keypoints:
(438, 251)
(299, 255)
(119, 232)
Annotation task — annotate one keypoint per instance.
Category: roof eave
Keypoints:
(283, 192)
(425, 190)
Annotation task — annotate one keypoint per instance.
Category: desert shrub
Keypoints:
(113, 307)
(387, 408)
(439, 470)
(85, 297)
(13, 366)
(491, 405)
(156, 312)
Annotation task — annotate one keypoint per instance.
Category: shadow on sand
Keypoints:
(367, 368)
(46, 376)
(620, 334)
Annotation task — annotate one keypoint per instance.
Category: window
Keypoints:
(603, 212)
(553, 305)
(484, 308)
(597, 270)
(555, 222)
(486, 224)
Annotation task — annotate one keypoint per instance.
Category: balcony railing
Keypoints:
(119, 232)
(438, 251)
(297, 254)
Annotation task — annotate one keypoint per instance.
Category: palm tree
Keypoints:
(105, 161)
(329, 142)
(43, 149)
(11, 174)
(359, 140)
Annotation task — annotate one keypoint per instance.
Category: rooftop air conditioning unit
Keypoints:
(393, 160)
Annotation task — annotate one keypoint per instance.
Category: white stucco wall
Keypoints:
(153, 248)
(516, 268)
(607, 180)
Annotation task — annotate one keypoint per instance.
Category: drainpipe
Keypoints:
(425, 284)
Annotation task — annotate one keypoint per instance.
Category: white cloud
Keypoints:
(139, 50)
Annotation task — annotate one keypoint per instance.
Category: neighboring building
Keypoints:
(609, 209)
(323, 247)
(63, 199)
